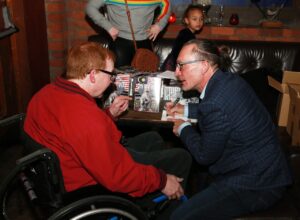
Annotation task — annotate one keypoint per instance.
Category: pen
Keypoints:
(175, 102)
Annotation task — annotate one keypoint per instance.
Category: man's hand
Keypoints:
(153, 31)
(173, 189)
(177, 123)
(172, 110)
(119, 105)
(113, 32)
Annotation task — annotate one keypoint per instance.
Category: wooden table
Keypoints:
(135, 118)
(132, 123)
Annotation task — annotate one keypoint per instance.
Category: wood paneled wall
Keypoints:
(24, 56)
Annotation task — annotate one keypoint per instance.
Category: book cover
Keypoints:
(171, 93)
(147, 94)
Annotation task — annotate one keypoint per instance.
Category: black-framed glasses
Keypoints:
(112, 74)
(181, 64)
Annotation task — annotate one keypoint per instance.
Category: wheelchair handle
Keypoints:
(161, 198)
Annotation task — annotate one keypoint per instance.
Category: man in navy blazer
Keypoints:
(236, 139)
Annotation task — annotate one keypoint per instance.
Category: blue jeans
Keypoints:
(219, 201)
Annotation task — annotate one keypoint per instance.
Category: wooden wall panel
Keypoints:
(24, 56)
(23, 81)
(36, 40)
(7, 79)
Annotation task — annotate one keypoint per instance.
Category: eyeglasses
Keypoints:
(180, 65)
(112, 74)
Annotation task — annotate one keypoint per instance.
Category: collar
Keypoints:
(202, 95)
(72, 87)
(203, 92)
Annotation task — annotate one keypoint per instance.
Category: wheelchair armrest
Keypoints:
(21, 163)
(15, 119)
(35, 156)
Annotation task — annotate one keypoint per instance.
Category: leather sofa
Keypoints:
(254, 61)
(243, 56)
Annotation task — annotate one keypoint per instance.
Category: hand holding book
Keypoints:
(119, 105)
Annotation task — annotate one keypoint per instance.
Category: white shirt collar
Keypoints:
(203, 92)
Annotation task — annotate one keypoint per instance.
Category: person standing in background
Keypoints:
(193, 20)
(117, 25)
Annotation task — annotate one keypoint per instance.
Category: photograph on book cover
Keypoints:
(122, 85)
(148, 95)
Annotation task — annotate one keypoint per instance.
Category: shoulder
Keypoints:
(186, 35)
(184, 31)
(225, 88)
(224, 84)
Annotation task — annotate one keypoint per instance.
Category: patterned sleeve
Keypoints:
(164, 15)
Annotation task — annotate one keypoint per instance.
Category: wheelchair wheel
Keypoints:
(103, 207)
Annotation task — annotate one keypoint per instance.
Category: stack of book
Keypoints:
(149, 90)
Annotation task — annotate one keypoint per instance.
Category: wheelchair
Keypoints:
(40, 175)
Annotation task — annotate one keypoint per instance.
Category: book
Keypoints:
(171, 93)
(147, 94)
(147, 90)
(121, 87)
(165, 117)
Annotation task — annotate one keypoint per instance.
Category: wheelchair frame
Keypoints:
(108, 206)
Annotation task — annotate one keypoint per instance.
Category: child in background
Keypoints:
(193, 19)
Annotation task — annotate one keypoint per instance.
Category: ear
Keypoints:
(205, 67)
(92, 76)
(186, 21)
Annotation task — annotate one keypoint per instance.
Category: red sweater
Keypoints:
(66, 119)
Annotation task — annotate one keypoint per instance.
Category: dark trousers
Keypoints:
(149, 148)
(124, 50)
(219, 201)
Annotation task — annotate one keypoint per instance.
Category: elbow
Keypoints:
(204, 159)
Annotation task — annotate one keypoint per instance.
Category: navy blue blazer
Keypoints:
(237, 138)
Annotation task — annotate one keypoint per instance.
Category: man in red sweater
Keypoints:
(64, 117)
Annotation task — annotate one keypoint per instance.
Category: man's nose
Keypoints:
(177, 71)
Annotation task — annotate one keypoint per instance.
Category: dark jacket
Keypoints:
(238, 139)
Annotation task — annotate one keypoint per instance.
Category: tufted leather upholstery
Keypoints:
(246, 56)
(243, 56)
